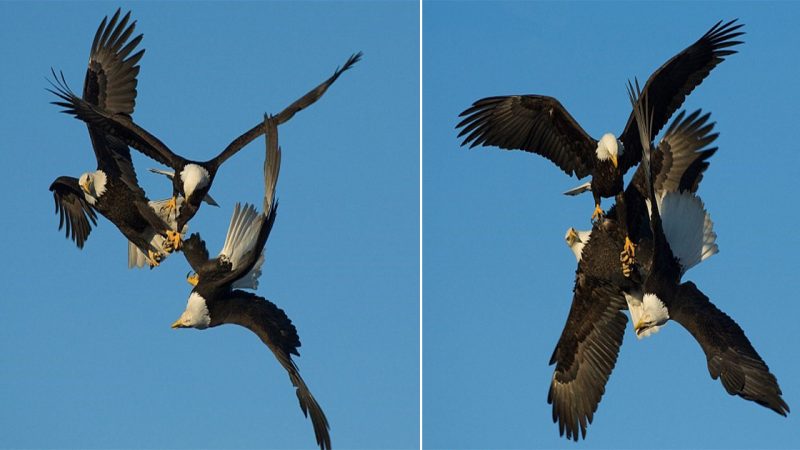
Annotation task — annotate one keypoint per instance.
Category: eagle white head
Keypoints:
(196, 314)
(194, 177)
(609, 147)
(651, 315)
(576, 240)
(93, 185)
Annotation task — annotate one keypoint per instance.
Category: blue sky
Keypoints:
(88, 356)
(498, 276)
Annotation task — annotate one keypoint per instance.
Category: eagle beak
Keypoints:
(572, 236)
(192, 279)
(637, 327)
(614, 161)
(177, 324)
(85, 187)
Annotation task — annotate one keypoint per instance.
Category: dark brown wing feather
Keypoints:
(110, 85)
(684, 152)
(118, 125)
(534, 123)
(274, 328)
(303, 102)
(586, 354)
(729, 354)
(73, 210)
(110, 81)
(682, 155)
(667, 87)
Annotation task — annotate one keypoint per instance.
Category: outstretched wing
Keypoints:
(668, 86)
(73, 210)
(534, 123)
(274, 328)
(303, 102)
(586, 354)
(110, 81)
(110, 84)
(120, 126)
(729, 354)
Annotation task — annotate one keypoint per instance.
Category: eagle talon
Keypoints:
(598, 213)
(173, 240)
(170, 204)
(153, 259)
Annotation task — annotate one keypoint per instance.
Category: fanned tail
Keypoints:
(688, 228)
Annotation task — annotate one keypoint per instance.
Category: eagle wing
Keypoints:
(276, 330)
(110, 85)
(729, 354)
(682, 155)
(667, 87)
(533, 123)
(110, 82)
(586, 354)
(120, 126)
(303, 102)
(73, 210)
(248, 231)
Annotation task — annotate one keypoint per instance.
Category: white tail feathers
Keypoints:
(687, 227)
(241, 239)
(135, 256)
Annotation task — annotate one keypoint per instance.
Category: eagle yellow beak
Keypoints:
(85, 187)
(193, 279)
(614, 161)
(572, 236)
(177, 324)
(638, 326)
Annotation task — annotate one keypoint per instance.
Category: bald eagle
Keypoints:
(112, 190)
(541, 125)
(217, 298)
(682, 237)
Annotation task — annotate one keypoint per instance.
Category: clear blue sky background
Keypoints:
(498, 276)
(88, 356)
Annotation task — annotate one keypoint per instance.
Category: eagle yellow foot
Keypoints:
(153, 259)
(627, 256)
(173, 241)
(598, 213)
(170, 205)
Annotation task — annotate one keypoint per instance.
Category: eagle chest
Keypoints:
(118, 204)
(606, 180)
